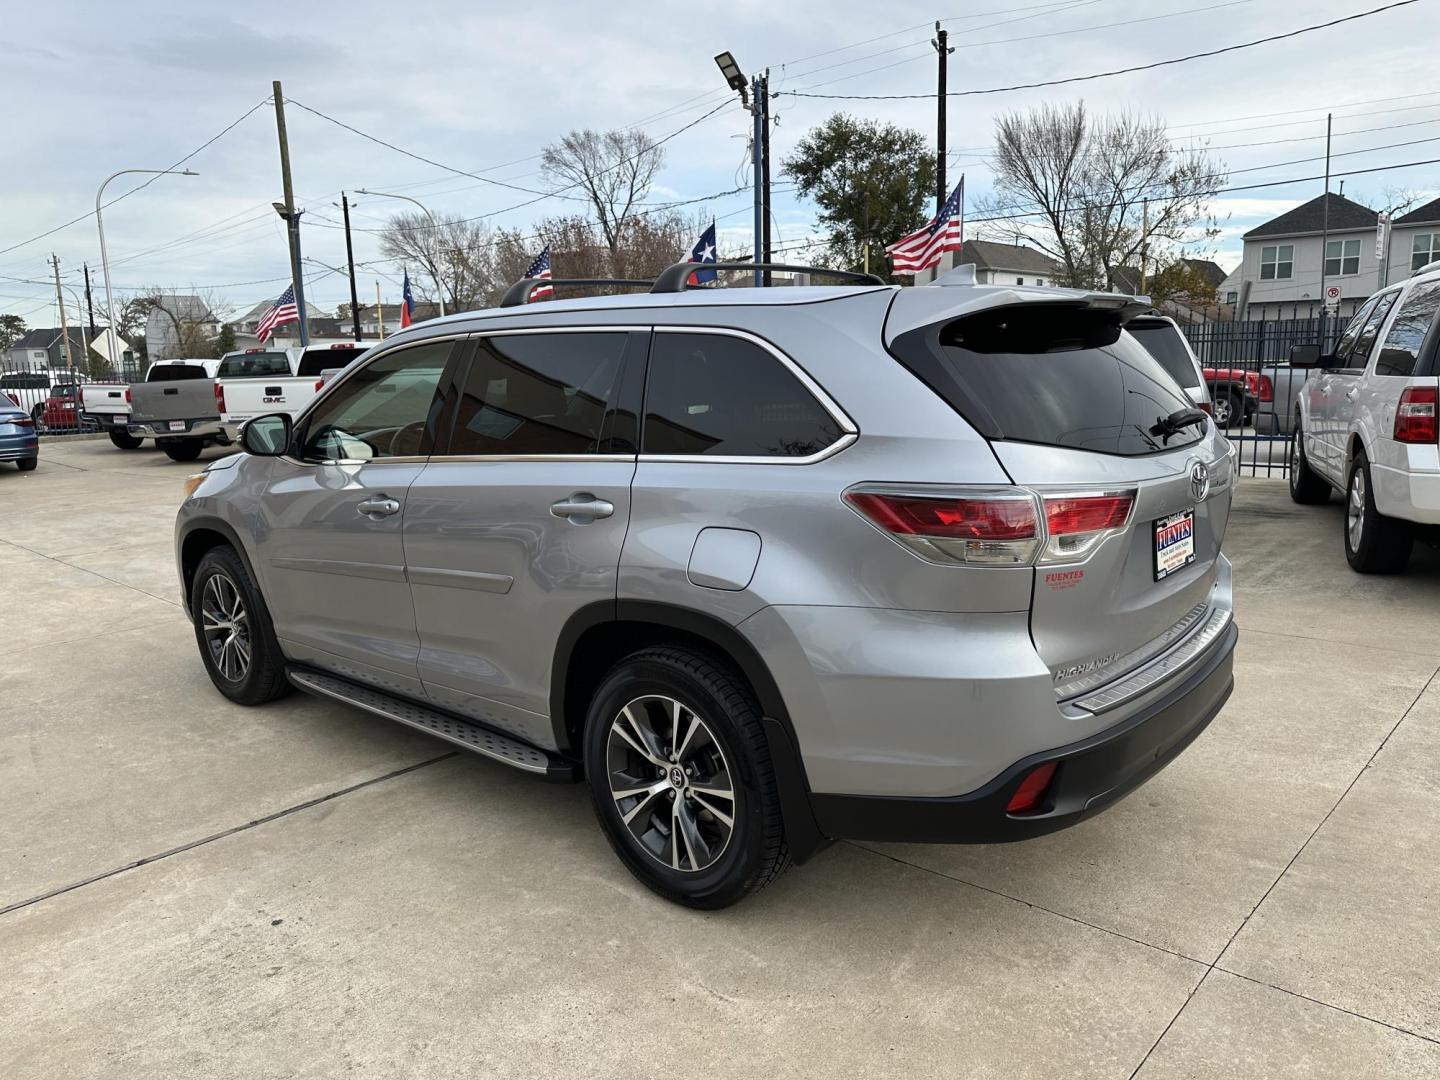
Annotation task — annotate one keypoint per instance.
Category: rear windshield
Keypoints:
(1059, 376)
(175, 373)
(1166, 344)
(262, 365)
(25, 380)
(314, 361)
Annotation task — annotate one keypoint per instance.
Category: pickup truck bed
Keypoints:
(256, 382)
(175, 406)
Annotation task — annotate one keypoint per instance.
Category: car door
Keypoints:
(519, 520)
(1331, 401)
(1366, 407)
(331, 520)
(1395, 367)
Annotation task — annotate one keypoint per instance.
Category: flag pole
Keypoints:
(380, 310)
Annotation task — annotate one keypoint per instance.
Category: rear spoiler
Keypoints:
(942, 301)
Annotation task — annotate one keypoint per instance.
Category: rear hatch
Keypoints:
(1073, 411)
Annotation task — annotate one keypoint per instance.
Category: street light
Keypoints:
(733, 75)
(439, 289)
(105, 259)
(736, 79)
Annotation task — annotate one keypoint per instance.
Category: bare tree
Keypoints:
(457, 253)
(180, 324)
(1092, 182)
(612, 169)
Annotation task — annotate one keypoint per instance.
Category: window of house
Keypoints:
(1277, 262)
(1231, 296)
(1407, 333)
(717, 395)
(538, 393)
(1424, 248)
(1342, 257)
(1019, 281)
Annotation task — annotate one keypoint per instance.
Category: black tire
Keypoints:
(183, 449)
(37, 414)
(754, 852)
(123, 440)
(263, 676)
(1306, 486)
(1374, 544)
(26, 464)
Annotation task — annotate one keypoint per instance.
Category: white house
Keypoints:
(1009, 264)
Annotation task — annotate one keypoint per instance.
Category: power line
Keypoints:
(138, 187)
(1109, 74)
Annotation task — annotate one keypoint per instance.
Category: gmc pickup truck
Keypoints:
(1367, 424)
(175, 406)
(254, 382)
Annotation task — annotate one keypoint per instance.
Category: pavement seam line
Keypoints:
(1281, 877)
(87, 570)
(1330, 640)
(1327, 1005)
(193, 844)
(91, 637)
(1028, 903)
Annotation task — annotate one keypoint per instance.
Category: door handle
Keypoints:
(582, 508)
(379, 506)
(1350, 394)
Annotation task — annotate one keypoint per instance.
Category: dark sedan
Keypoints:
(18, 441)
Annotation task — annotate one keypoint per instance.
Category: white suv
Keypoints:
(1366, 424)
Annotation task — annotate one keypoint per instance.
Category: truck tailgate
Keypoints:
(189, 399)
(245, 398)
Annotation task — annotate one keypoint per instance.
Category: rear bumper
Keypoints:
(1407, 495)
(1092, 774)
(18, 447)
(161, 429)
(108, 421)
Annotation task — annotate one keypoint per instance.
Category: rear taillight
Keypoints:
(985, 527)
(319, 385)
(1415, 416)
(22, 421)
(219, 398)
(995, 526)
(1206, 408)
(1267, 389)
(1252, 383)
(127, 395)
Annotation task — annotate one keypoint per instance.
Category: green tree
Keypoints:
(12, 329)
(873, 182)
(225, 340)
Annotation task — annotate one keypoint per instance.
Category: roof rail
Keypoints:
(519, 293)
(1427, 268)
(674, 278)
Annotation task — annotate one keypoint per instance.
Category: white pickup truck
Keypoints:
(1366, 424)
(105, 406)
(254, 382)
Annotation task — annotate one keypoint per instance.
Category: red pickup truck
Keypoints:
(1235, 393)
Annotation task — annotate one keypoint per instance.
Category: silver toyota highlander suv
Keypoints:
(766, 567)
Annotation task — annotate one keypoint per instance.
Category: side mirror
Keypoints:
(266, 436)
(1304, 355)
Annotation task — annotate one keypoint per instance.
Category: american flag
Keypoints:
(540, 268)
(944, 232)
(282, 311)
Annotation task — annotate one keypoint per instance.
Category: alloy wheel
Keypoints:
(671, 783)
(227, 627)
(1355, 509)
(1295, 457)
(1223, 413)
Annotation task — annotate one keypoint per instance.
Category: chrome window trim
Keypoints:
(849, 430)
(473, 459)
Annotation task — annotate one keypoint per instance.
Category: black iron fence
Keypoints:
(1247, 371)
(52, 395)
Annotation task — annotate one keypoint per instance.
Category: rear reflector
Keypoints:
(1030, 795)
(1415, 416)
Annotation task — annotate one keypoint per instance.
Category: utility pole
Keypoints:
(1325, 235)
(765, 160)
(292, 217)
(1144, 240)
(380, 311)
(89, 302)
(64, 329)
(757, 138)
(350, 262)
(944, 51)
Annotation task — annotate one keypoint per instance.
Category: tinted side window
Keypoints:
(538, 393)
(718, 395)
(1407, 333)
(386, 409)
(1346, 345)
(1366, 341)
(1165, 343)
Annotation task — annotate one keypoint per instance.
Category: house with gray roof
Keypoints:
(1009, 264)
(1283, 260)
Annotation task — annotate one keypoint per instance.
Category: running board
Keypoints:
(472, 736)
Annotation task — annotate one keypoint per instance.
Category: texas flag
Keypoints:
(407, 304)
(703, 252)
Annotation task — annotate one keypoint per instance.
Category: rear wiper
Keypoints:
(1178, 420)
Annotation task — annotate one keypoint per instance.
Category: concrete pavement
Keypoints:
(194, 889)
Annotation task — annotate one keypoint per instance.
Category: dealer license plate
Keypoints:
(1174, 543)
(177, 425)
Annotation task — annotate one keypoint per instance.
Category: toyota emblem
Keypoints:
(1199, 481)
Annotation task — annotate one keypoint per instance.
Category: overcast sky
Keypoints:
(91, 88)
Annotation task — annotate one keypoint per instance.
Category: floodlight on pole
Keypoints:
(734, 77)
